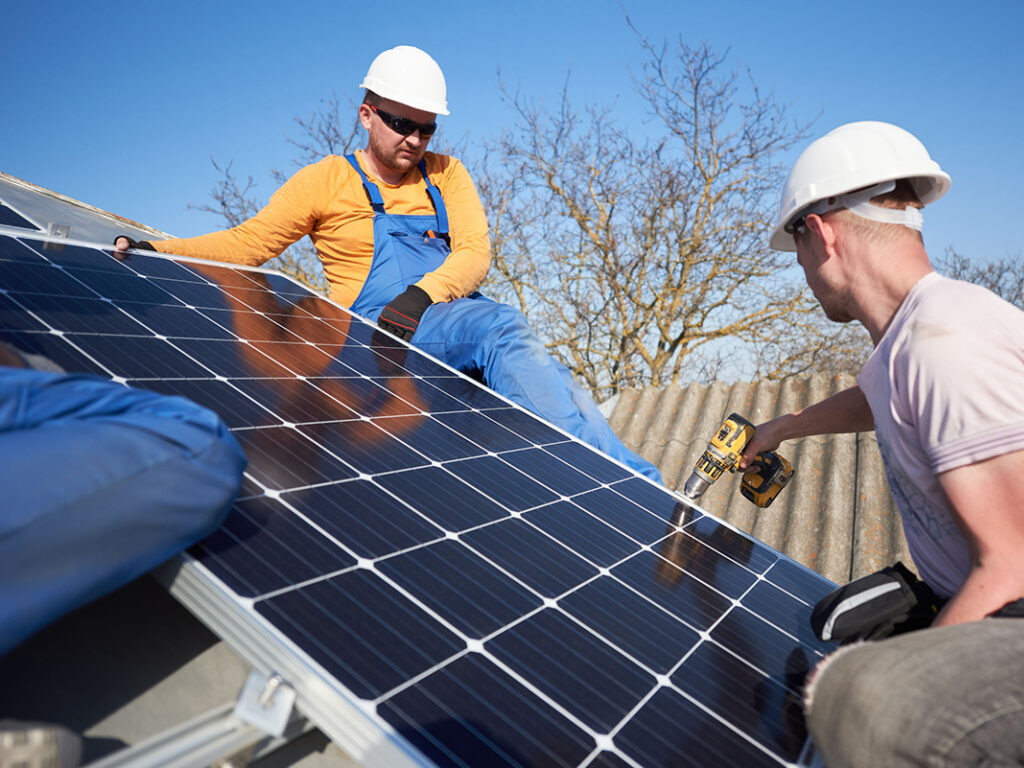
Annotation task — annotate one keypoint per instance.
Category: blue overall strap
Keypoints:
(376, 201)
(435, 195)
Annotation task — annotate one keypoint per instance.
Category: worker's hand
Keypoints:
(766, 437)
(402, 316)
(122, 243)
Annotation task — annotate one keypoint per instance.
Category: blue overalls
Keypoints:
(474, 334)
(100, 483)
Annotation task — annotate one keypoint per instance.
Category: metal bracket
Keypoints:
(261, 720)
(266, 701)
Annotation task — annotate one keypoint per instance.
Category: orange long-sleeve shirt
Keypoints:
(326, 201)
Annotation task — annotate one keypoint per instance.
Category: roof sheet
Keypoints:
(836, 516)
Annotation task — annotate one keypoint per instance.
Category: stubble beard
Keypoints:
(834, 307)
(837, 316)
(393, 158)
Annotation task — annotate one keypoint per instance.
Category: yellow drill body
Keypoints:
(762, 482)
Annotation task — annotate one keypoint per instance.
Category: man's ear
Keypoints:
(824, 231)
(365, 115)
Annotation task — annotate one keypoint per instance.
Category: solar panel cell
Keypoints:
(461, 587)
(81, 315)
(623, 515)
(472, 713)
(586, 460)
(543, 564)
(581, 532)
(503, 483)
(555, 474)
(14, 250)
(76, 256)
(573, 668)
(674, 589)
(483, 431)
(264, 547)
(641, 629)
(443, 498)
(143, 357)
(672, 730)
(13, 316)
(431, 438)
(281, 458)
(27, 277)
(723, 683)
(363, 631)
(365, 445)
(364, 518)
(55, 348)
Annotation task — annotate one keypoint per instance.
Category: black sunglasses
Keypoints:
(403, 125)
(797, 226)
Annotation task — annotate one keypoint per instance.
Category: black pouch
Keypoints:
(1012, 610)
(876, 606)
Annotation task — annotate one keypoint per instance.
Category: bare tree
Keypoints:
(323, 133)
(644, 260)
(797, 349)
(1004, 277)
(640, 259)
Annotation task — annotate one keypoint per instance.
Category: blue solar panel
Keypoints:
(471, 585)
(11, 218)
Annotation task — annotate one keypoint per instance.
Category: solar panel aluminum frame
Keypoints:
(320, 696)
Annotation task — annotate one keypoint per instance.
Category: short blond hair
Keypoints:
(880, 232)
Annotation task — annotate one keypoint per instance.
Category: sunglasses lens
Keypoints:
(405, 126)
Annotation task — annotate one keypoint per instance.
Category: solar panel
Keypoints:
(444, 578)
(9, 217)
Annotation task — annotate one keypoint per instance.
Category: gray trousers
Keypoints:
(952, 696)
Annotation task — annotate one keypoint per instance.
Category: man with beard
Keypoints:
(402, 238)
(944, 392)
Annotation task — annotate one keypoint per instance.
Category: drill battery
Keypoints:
(765, 478)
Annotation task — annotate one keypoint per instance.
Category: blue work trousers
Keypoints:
(100, 483)
(475, 334)
(479, 335)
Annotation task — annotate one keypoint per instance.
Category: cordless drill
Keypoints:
(763, 480)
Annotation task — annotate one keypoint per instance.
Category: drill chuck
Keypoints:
(695, 486)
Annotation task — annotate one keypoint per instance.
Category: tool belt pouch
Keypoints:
(1012, 610)
(891, 601)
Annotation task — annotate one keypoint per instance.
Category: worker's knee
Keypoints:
(504, 320)
(921, 698)
(853, 706)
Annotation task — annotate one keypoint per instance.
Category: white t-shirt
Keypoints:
(946, 389)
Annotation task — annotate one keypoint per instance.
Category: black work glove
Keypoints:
(402, 316)
(138, 245)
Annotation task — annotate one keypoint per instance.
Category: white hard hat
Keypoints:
(409, 76)
(851, 157)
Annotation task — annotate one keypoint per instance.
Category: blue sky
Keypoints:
(122, 105)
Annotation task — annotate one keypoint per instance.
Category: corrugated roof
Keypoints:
(836, 516)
